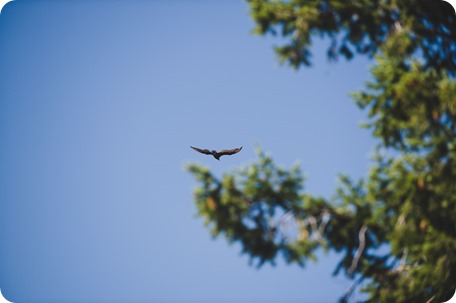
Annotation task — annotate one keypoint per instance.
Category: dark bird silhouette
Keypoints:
(217, 154)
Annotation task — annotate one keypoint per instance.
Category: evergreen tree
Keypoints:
(407, 202)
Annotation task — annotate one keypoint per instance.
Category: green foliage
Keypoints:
(249, 206)
(362, 27)
(407, 201)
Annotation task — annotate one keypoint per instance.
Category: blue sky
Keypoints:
(99, 103)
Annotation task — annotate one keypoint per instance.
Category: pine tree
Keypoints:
(407, 202)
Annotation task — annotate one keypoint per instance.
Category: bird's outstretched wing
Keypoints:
(230, 151)
(203, 151)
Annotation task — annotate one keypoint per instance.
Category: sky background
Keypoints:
(99, 103)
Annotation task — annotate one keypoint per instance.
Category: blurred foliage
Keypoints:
(407, 202)
(424, 27)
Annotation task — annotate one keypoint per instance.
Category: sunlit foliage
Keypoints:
(407, 201)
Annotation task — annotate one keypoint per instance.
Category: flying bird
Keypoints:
(217, 154)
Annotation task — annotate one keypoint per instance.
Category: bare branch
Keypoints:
(359, 251)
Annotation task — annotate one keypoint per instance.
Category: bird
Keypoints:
(217, 154)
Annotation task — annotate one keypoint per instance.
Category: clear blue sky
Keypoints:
(99, 103)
